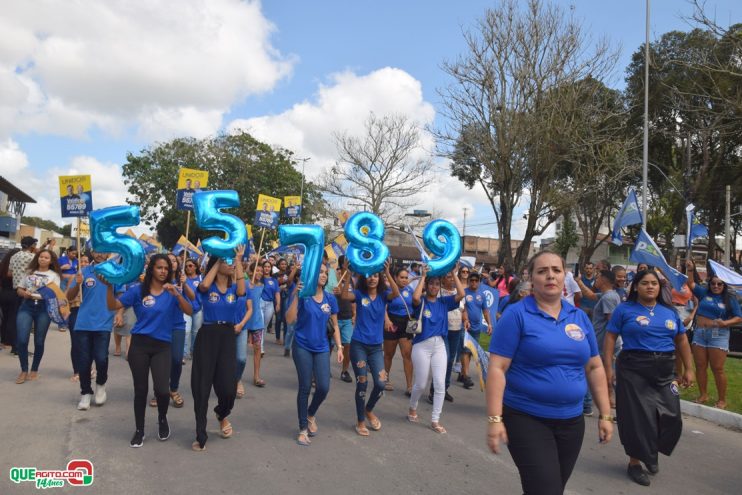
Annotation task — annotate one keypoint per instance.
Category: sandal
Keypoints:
(700, 400)
(75, 378)
(34, 375)
(259, 383)
(240, 390)
(226, 430)
(177, 399)
(720, 405)
(388, 387)
(153, 402)
(436, 427)
(197, 447)
(116, 353)
(312, 427)
(375, 424)
(362, 430)
(413, 418)
(303, 438)
(21, 378)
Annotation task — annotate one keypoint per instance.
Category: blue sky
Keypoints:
(81, 86)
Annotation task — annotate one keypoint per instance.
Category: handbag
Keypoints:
(414, 327)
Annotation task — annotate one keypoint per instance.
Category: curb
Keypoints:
(719, 416)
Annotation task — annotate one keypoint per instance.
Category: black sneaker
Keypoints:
(653, 468)
(137, 440)
(449, 397)
(345, 376)
(164, 430)
(287, 353)
(468, 383)
(460, 379)
(637, 474)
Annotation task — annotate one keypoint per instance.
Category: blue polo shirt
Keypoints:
(712, 306)
(194, 282)
(491, 303)
(154, 313)
(585, 303)
(369, 327)
(93, 315)
(241, 309)
(640, 331)
(475, 304)
(178, 320)
(218, 306)
(546, 377)
(256, 320)
(311, 322)
(397, 306)
(435, 317)
(270, 287)
(64, 260)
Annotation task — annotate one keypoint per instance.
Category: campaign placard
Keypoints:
(76, 195)
(189, 181)
(292, 206)
(266, 214)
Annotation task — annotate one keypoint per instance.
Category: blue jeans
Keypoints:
(176, 358)
(281, 325)
(241, 353)
(310, 364)
(288, 339)
(31, 313)
(454, 342)
(89, 347)
(363, 357)
(193, 323)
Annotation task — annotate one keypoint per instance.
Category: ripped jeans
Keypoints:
(364, 357)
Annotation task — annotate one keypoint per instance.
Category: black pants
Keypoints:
(214, 364)
(147, 354)
(10, 305)
(71, 324)
(544, 450)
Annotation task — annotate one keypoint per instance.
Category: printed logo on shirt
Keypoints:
(427, 313)
(325, 308)
(674, 388)
(469, 298)
(213, 297)
(405, 294)
(148, 301)
(722, 305)
(709, 299)
(642, 320)
(90, 282)
(479, 297)
(270, 282)
(670, 325)
(365, 301)
(574, 332)
(231, 298)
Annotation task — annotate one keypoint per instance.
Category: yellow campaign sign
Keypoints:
(190, 180)
(293, 206)
(76, 196)
(267, 211)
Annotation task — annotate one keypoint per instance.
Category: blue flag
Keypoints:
(57, 306)
(695, 228)
(646, 251)
(492, 302)
(629, 214)
(481, 358)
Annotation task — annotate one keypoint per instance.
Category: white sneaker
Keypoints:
(84, 403)
(100, 394)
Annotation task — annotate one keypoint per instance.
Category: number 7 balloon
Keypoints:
(105, 239)
(207, 206)
(313, 239)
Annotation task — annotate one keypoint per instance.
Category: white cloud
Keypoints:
(172, 69)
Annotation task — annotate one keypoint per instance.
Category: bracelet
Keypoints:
(494, 419)
(606, 417)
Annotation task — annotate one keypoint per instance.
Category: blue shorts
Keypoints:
(346, 331)
(714, 337)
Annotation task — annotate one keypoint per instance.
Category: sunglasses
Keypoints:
(464, 271)
(717, 284)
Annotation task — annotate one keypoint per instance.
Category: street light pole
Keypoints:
(301, 209)
(645, 160)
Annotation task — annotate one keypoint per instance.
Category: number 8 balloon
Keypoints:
(448, 250)
(366, 252)
(206, 206)
(105, 239)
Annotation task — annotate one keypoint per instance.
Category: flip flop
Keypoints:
(303, 439)
(196, 447)
(438, 428)
(413, 418)
(259, 383)
(312, 424)
(374, 425)
(362, 430)
(226, 430)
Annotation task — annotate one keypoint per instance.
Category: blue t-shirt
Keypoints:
(435, 317)
(195, 303)
(475, 304)
(256, 320)
(178, 319)
(270, 287)
(640, 331)
(64, 260)
(241, 309)
(397, 306)
(546, 377)
(622, 293)
(311, 322)
(93, 315)
(154, 313)
(586, 303)
(219, 306)
(712, 306)
(503, 304)
(369, 327)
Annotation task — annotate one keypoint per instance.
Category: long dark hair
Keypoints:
(725, 295)
(5, 263)
(363, 284)
(507, 274)
(634, 293)
(53, 265)
(189, 260)
(176, 271)
(147, 284)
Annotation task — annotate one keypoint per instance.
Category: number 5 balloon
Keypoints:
(206, 206)
(105, 239)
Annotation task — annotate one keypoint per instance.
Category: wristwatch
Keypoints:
(494, 419)
(606, 417)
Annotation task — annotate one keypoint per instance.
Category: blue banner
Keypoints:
(695, 228)
(646, 251)
(56, 304)
(629, 214)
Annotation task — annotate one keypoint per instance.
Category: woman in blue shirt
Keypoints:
(429, 346)
(399, 312)
(311, 350)
(193, 322)
(215, 349)
(717, 311)
(366, 350)
(647, 395)
(270, 302)
(542, 358)
(154, 302)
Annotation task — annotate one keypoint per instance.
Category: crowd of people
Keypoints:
(562, 343)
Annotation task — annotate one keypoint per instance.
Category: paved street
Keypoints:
(42, 428)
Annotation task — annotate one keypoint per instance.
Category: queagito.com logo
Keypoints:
(79, 472)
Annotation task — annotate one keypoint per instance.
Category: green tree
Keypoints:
(234, 161)
(567, 237)
(41, 223)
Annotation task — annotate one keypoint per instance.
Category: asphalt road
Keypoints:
(42, 428)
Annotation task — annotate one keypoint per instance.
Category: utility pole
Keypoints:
(465, 210)
(727, 226)
(645, 154)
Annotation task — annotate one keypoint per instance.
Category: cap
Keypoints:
(28, 241)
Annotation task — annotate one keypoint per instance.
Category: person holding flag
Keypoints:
(718, 310)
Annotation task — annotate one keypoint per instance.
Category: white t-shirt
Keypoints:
(454, 316)
(37, 279)
(570, 288)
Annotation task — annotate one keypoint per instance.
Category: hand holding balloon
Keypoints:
(105, 239)
(366, 252)
(447, 249)
(206, 206)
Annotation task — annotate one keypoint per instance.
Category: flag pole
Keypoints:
(260, 248)
(645, 154)
(188, 230)
(79, 253)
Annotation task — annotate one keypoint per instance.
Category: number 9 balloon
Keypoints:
(313, 239)
(448, 250)
(366, 252)
(105, 239)
(206, 206)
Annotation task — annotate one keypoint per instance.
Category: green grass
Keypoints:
(733, 368)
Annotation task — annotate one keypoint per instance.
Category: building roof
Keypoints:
(14, 194)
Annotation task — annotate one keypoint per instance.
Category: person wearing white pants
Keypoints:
(428, 346)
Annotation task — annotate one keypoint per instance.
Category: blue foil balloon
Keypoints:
(366, 251)
(312, 237)
(443, 240)
(105, 239)
(206, 207)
